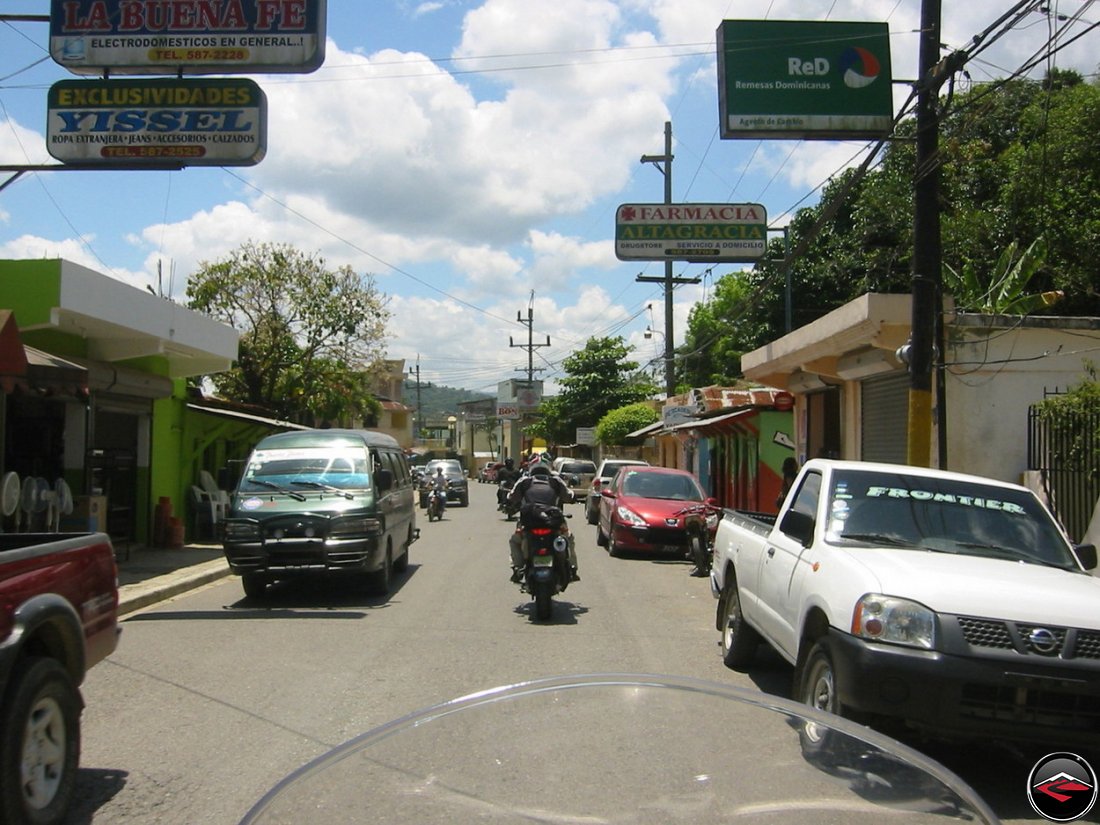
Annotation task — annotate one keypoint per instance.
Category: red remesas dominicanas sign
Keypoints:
(188, 36)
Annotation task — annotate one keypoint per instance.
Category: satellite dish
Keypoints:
(9, 493)
(63, 497)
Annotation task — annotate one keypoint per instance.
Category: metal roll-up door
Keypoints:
(884, 410)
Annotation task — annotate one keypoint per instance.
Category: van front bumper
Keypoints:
(305, 555)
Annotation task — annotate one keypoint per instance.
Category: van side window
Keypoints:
(386, 462)
(401, 468)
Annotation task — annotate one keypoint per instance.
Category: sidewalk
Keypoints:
(147, 575)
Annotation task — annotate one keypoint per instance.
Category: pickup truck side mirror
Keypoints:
(1086, 554)
(798, 526)
(384, 479)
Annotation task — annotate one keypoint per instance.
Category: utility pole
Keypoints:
(668, 281)
(419, 417)
(530, 346)
(927, 243)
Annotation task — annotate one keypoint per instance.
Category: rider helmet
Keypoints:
(539, 469)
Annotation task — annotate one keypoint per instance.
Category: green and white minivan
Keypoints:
(325, 502)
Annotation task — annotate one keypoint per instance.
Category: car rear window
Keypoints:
(578, 467)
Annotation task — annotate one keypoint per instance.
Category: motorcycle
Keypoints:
(701, 521)
(547, 572)
(503, 489)
(437, 500)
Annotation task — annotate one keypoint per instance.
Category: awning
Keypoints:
(249, 417)
(719, 424)
(51, 374)
(647, 430)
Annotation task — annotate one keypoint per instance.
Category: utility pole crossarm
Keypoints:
(530, 346)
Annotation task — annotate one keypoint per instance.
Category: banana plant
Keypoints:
(1005, 293)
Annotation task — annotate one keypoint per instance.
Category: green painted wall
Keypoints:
(31, 289)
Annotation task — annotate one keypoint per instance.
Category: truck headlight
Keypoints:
(344, 527)
(890, 619)
(241, 530)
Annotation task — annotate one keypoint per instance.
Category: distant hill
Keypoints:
(438, 401)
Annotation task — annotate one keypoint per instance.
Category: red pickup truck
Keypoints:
(58, 617)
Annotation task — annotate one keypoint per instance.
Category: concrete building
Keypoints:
(851, 392)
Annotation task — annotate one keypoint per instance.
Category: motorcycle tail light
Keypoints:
(540, 531)
(542, 551)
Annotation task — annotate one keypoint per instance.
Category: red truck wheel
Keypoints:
(41, 747)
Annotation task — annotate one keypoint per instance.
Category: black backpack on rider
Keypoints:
(540, 504)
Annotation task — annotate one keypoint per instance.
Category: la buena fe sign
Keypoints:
(192, 36)
(693, 232)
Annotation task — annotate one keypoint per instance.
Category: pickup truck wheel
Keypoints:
(254, 585)
(739, 641)
(818, 689)
(41, 746)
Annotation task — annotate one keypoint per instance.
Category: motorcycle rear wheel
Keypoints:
(544, 604)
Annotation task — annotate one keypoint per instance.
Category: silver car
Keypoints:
(577, 473)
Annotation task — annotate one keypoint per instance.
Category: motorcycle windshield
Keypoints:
(621, 748)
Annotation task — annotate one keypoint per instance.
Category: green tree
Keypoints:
(614, 427)
(718, 332)
(310, 337)
(1073, 416)
(598, 379)
(1019, 163)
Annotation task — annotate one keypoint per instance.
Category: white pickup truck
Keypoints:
(951, 602)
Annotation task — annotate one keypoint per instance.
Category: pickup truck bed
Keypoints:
(58, 617)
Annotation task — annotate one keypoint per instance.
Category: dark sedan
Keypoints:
(654, 510)
(458, 485)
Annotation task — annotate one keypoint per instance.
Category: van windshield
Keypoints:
(343, 466)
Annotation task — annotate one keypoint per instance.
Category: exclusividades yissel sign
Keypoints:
(190, 36)
(205, 122)
(694, 232)
(792, 79)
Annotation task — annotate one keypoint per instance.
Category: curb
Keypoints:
(133, 597)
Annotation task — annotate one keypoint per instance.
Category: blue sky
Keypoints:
(470, 156)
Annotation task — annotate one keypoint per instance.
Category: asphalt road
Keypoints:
(212, 698)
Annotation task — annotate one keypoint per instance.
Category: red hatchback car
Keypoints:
(655, 509)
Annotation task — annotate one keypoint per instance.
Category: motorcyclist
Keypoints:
(539, 488)
(439, 486)
(507, 476)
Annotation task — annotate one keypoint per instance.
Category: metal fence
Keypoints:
(1065, 449)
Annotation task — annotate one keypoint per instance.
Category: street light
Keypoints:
(648, 335)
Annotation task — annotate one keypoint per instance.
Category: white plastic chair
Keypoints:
(220, 498)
